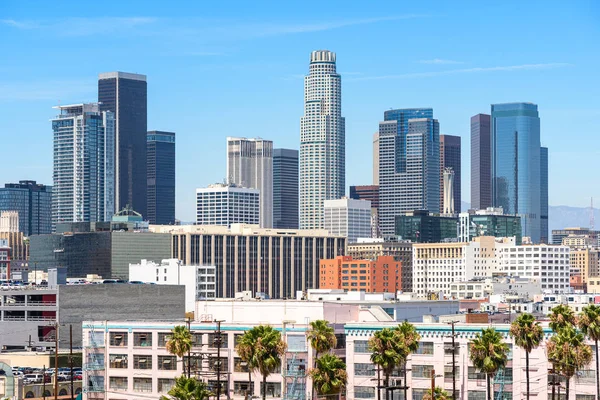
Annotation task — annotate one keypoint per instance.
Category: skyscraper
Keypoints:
(348, 218)
(33, 202)
(544, 235)
(84, 165)
(250, 165)
(409, 171)
(161, 177)
(322, 139)
(481, 162)
(285, 189)
(519, 181)
(227, 204)
(371, 193)
(450, 158)
(376, 158)
(125, 95)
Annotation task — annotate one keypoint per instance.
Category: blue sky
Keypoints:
(218, 69)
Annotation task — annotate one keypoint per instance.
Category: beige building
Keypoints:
(9, 221)
(584, 262)
(578, 241)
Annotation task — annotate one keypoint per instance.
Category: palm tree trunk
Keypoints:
(378, 383)
(567, 388)
(264, 387)
(313, 384)
(249, 390)
(489, 386)
(597, 373)
(527, 372)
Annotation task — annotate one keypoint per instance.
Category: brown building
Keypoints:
(344, 272)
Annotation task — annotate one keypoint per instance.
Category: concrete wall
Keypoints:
(116, 302)
(132, 247)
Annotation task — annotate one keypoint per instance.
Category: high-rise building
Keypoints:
(481, 162)
(450, 158)
(376, 158)
(322, 139)
(285, 189)
(489, 222)
(84, 165)
(9, 221)
(227, 204)
(161, 177)
(33, 202)
(125, 94)
(250, 165)
(422, 227)
(409, 171)
(371, 193)
(448, 191)
(544, 238)
(349, 218)
(517, 171)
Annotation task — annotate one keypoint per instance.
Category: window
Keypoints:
(213, 342)
(241, 387)
(476, 395)
(425, 348)
(142, 384)
(340, 341)
(422, 371)
(296, 343)
(364, 369)
(163, 338)
(167, 363)
(585, 397)
(118, 361)
(448, 349)
(364, 392)
(164, 384)
(419, 394)
(118, 383)
(214, 363)
(361, 346)
(239, 365)
(273, 389)
(142, 339)
(118, 339)
(195, 364)
(142, 362)
(476, 375)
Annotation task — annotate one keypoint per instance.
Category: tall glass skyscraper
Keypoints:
(409, 165)
(450, 158)
(519, 166)
(322, 140)
(545, 237)
(285, 188)
(161, 177)
(33, 202)
(125, 95)
(481, 162)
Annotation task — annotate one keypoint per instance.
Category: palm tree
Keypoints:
(528, 335)
(329, 376)
(187, 389)
(246, 349)
(409, 337)
(268, 349)
(387, 352)
(322, 339)
(438, 394)
(589, 323)
(568, 351)
(489, 354)
(180, 343)
(561, 316)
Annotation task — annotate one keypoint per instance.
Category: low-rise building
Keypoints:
(421, 226)
(350, 275)
(489, 222)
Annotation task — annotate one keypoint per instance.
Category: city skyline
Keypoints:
(422, 79)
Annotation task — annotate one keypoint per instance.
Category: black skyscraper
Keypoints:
(285, 189)
(450, 158)
(481, 162)
(161, 177)
(125, 94)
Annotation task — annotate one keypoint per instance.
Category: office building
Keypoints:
(227, 204)
(250, 165)
(409, 173)
(199, 281)
(450, 158)
(448, 192)
(382, 275)
(584, 262)
(370, 193)
(84, 164)
(33, 202)
(285, 189)
(160, 153)
(322, 140)
(489, 222)
(276, 262)
(559, 234)
(4, 260)
(349, 218)
(125, 95)
(519, 181)
(481, 162)
(9, 221)
(544, 194)
(579, 241)
(423, 227)
(376, 158)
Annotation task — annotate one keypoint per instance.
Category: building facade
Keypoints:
(285, 189)
(345, 273)
(349, 218)
(125, 95)
(559, 234)
(481, 162)
(160, 153)
(424, 227)
(227, 204)
(322, 139)
(33, 202)
(489, 222)
(371, 193)
(250, 165)
(517, 171)
(84, 164)
(276, 262)
(450, 158)
(585, 263)
(409, 175)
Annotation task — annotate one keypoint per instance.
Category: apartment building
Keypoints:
(350, 275)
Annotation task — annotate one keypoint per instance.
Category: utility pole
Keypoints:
(189, 355)
(44, 380)
(452, 323)
(71, 359)
(432, 383)
(219, 342)
(56, 361)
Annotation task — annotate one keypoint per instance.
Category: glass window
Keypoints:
(118, 361)
(364, 369)
(167, 363)
(163, 338)
(425, 348)
(165, 384)
(364, 392)
(240, 388)
(118, 383)
(476, 375)
(422, 371)
(476, 395)
(273, 389)
(296, 343)
(142, 339)
(118, 339)
(142, 362)
(142, 384)
(239, 365)
(213, 342)
(361, 346)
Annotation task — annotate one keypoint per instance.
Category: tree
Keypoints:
(187, 389)
(569, 353)
(246, 349)
(387, 352)
(589, 323)
(329, 376)
(322, 339)
(268, 349)
(561, 316)
(438, 394)
(489, 354)
(528, 335)
(409, 337)
(180, 343)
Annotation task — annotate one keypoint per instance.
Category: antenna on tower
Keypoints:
(591, 213)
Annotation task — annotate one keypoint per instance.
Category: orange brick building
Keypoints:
(343, 272)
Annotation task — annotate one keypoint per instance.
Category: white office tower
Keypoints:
(84, 164)
(227, 204)
(349, 218)
(322, 140)
(448, 191)
(250, 165)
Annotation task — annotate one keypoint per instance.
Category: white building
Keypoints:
(199, 281)
(250, 165)
(348, 217)
(226, 204)
(9, 221)
(322, 139)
